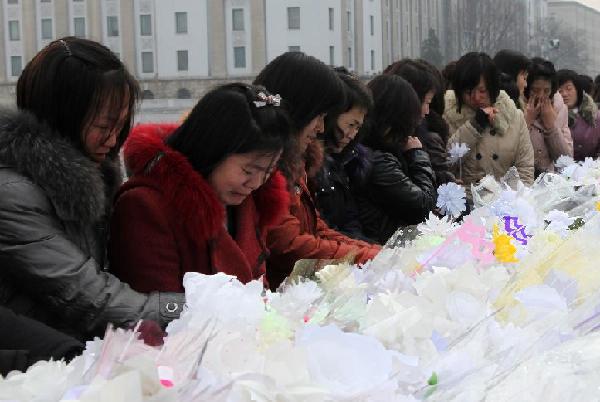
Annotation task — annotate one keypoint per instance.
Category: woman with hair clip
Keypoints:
(59, 170)
(488, 121)
(427, 85)
(400, 189)
(547, 116)
(346, 162)
(584, 118)
(311, 90)
(203, 194)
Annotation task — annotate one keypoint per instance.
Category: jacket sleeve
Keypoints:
(142, 248)
(524, 157)
(439, 159)
(466, 133)
(409, 197)
(558, 139)
(24, 341)
(286, 238)
(55, 272)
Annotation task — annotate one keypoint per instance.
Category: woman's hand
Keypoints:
(412, 143)
(532, 110)
(547, 113)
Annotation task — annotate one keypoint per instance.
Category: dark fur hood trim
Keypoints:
(185, 190)
(77, 189)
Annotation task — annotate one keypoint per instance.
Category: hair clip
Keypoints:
(274, 100)
(67, 48)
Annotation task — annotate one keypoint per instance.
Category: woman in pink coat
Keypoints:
(547, 117)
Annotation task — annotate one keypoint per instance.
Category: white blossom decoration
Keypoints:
(452, 199)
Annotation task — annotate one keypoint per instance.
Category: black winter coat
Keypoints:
(333, 190)
(400, 191)
(53, 213)
(24, 341)
(435, 147)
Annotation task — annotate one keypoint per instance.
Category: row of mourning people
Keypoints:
(223, 192)
(308, 162)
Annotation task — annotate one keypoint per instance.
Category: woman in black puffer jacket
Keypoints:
(345, 162)
(400, 189)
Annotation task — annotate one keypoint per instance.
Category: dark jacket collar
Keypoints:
(74, 184)
(186, 191)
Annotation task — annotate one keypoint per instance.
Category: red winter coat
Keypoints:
(303, 234)
(167, 219)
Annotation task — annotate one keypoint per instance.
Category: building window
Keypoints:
(372, 60)
(182, 60)
(181, 26)
(145, 25)
(79, 27)
(46, 28)
(239, 57)
(294, 48)
(237, 18)
(349, 57)
(13, 2)
(147, 62)
(349, 18)
(13, 30)
(16, 65)
(45, 1)
(184, 93)
(331, 19)
(293, 14)
(372, 21)
(112, 25)
(147, 94)
(331, 55)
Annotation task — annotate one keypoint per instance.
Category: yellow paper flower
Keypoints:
(597, 205)
(504, 250)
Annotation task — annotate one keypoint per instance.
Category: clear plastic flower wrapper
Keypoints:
(503, 305)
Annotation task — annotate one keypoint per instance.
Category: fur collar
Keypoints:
(588, 110)
(185, 189)
(74, 184)
(507, 112)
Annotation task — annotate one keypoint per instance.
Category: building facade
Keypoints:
(582, 23)
(178, 48)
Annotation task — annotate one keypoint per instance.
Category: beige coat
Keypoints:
(548, 145)
(495, 149)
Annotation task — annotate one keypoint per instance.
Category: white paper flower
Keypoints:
(559, 222)
(563, 161)
(452, 199)
(457, 151)
(437, 226)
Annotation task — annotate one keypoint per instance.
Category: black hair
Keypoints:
(227, 121)
(596, 94)
(395, 115)
(509, 85)
(563, 76)
(70, 82)
(437, 104)
(512, 63)
(586, 82)
(309, 87)
(416, 74)
(469, 70)
(357, 95)
(448, 73)
(541, 69)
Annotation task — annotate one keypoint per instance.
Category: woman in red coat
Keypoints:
(311, 90)
(202, 195)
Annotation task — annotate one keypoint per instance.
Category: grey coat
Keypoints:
(53, 212)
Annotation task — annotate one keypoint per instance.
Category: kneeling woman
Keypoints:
(202, 195)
